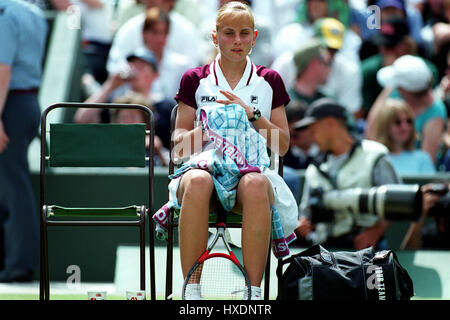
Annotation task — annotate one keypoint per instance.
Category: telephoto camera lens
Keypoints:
(392, 201)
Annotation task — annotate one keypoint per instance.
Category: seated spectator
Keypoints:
(181, 31)
(443, 92)
(344, 81)
(310, 11)
(143, 70)
(341, 169)
(172, 65)
(436, 31)
(302, 149)
(440, 45)
(391, 9)
(154, 33)
(410, 79)
(294, 34)
(394, 127)
(437, 234)
(393, 41)
(312, 61)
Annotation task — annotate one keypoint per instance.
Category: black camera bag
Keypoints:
(317, 274)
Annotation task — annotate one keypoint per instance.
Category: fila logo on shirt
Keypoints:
(254, 99)
(208, 99)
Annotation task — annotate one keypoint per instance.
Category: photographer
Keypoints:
(436, 200)
(348, 163)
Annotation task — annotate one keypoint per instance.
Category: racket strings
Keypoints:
(219, 278)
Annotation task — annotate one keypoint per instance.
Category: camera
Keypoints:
(394, 202)
(442, 206)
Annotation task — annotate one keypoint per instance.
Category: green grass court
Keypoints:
(428, 270)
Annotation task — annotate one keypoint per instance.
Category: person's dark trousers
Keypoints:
(95, 55)
(1, 248)
(18, 210)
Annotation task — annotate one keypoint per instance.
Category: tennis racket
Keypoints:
(220, 274)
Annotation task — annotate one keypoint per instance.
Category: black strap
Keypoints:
(332, 180)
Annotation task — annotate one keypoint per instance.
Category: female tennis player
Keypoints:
(230, 79)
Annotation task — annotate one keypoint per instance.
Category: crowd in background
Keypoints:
(321, 48)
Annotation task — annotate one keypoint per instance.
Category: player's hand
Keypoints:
(234, 99)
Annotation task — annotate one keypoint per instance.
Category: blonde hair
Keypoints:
(387, 116)
(237, 9)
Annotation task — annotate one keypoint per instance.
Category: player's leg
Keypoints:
(254, 197)
(194, 194)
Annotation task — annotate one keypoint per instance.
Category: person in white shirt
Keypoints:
(340, 170)
(230, 79)
(344, 81)
(183, 38)
(155, 35)
(97, 32)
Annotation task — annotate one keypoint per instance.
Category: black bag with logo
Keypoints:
(317, 274)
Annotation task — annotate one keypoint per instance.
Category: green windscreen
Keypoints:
(97, 145)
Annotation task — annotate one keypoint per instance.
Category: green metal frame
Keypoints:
(134, 215)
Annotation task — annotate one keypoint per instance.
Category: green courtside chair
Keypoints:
(233, 221)
(96, 145)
